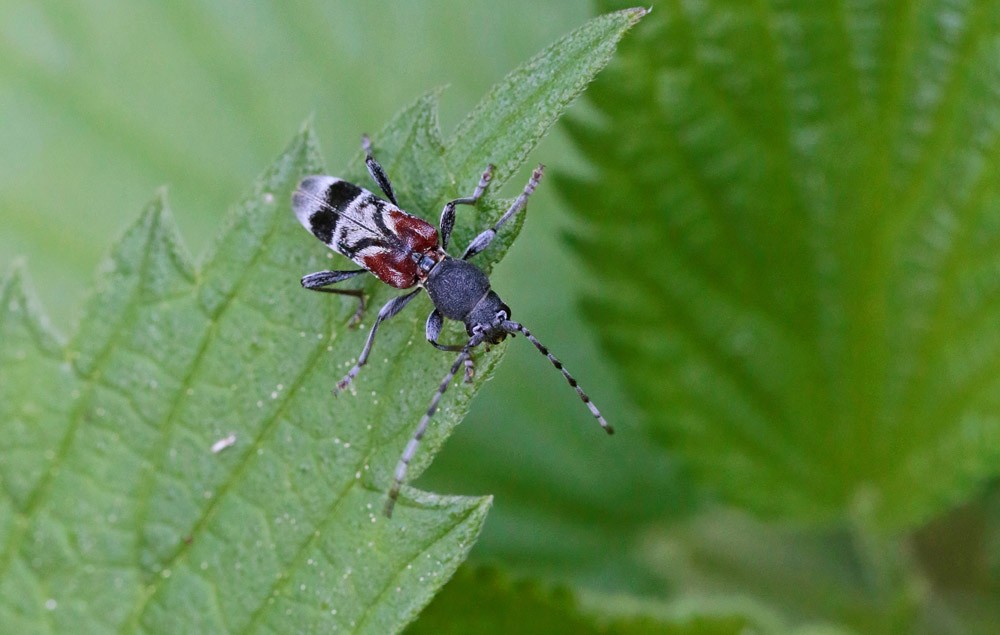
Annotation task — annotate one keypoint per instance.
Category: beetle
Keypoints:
(406, 252)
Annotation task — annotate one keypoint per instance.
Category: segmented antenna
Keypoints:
(512, 327)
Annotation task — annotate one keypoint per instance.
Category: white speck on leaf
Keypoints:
(223, 443)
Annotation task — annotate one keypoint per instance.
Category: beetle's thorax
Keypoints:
(456, 287)
(461, 291)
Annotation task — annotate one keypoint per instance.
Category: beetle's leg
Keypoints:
(448, 213)
(434, 323)
(411, 448)
(391, 308)
(483, 240)
(317, 281)
(375, 170)
(433, 330)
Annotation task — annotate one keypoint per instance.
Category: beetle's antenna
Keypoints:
(516, 327)
(411, 447)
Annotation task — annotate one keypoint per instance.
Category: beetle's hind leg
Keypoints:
(321, 279)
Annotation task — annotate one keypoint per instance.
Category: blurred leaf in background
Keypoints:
(484, 601)
(792, 217)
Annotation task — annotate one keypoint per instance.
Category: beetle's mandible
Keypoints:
(405, 251)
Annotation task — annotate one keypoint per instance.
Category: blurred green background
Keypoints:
(101, 103)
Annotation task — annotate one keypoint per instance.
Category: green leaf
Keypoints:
(794, 210)
(134, 517)
(117, 513)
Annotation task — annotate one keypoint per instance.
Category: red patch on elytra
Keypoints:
(418, 234)
(396, 269)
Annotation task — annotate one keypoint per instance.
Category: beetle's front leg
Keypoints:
(435, 322)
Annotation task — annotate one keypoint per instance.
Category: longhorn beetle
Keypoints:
(403, 251)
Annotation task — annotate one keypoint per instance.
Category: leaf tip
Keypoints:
(637, 13)
(160, 196)
(17, 297)
(157, 210)
(436, 92)
(626, 18)
(15, 272)
(13, 279)
(304, 148)
(480, 507)
(152, 237)
(307, 125)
